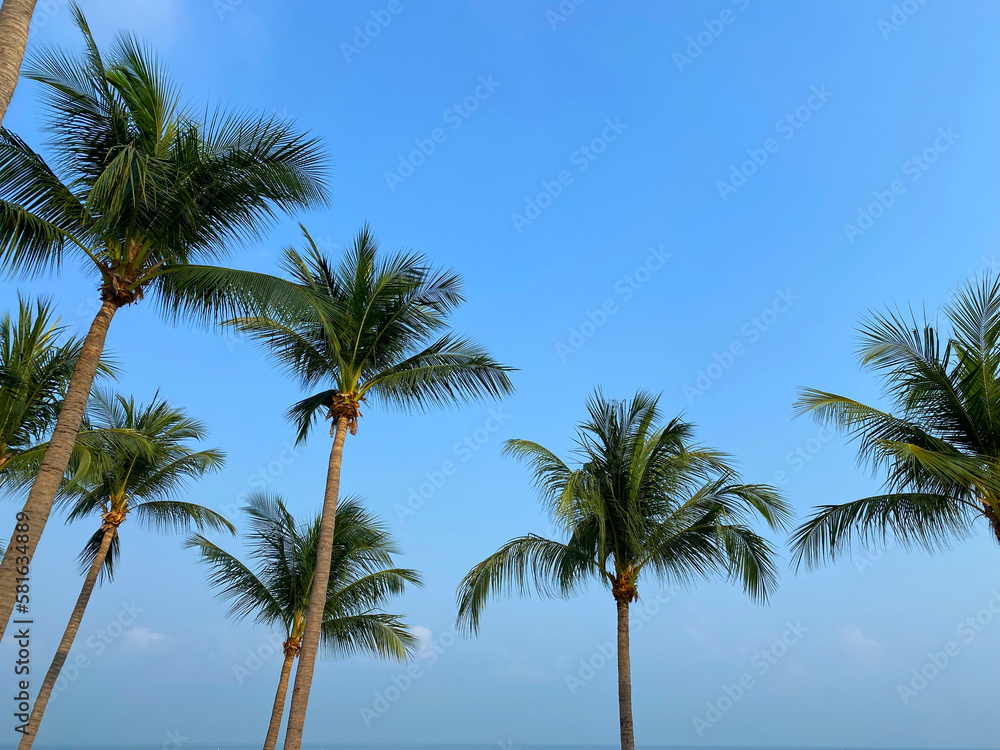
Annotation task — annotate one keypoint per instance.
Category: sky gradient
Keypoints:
(701, 199)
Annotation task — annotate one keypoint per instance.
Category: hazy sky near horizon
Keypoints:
(705, 159)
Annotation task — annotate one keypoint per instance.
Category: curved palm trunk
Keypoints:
(15, 20)
(317, 596)
(624, 678)
(45, 691)
(53, 467)
(271, 741)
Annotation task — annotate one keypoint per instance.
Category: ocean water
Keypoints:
(495, 746)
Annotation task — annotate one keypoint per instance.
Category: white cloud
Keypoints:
(856, 643)
(423, 636)
(141, 637)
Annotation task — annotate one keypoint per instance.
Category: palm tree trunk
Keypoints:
(53, 467)
(45, 691)
(318, 593)
(624, 678)
(15, 20)
(271, 741)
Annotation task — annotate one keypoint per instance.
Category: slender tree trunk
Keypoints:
(15, 19)
(45, 691)
(271, 741)
(53, 467)
(624, 678)
(317, 596)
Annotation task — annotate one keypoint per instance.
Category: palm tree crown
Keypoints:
(643, 497)
(375, 330)
(143, 477)
(140, 188)
(939, 448)
(276, 592)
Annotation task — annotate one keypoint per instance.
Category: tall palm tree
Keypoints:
(141, 192)
(362, 580)
(15, 20)
(643, 498)
(939, 447)
(141, 483)
(376, 331)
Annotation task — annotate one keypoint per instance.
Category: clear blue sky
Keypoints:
(834, 106)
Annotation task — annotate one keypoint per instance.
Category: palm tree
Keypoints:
(644, 497)
(376, 330)
(15, 20)
(36, 362)
(142, 483)
(140, 194)
(362, 580)
(940, 446)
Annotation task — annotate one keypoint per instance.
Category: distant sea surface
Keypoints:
(495, 746)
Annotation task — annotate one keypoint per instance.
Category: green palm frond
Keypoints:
(138, 459)
(140, 186)
(914, 520)
(277, 584)
(522, 565)
(381, 635)
(645, 497)
(374, 327)
(940, 455)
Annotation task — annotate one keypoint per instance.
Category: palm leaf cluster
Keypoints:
(138, 184)
(275, 587)
(36, 362)
(643, 496)
(374, 329)
(939, 446)
(142, 477)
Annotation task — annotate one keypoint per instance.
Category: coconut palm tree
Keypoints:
(376, 331)
(140, 193)
(140, 483)
(36, 362)
(15, 20)
(643, 499)
(939, 446)
(362, 580)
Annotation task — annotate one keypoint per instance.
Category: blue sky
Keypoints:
(704, 160)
